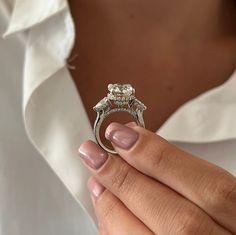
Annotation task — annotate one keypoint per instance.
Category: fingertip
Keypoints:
(85, 144)
(109, 129)
(95, 187)
(122, 136)
(131, 124)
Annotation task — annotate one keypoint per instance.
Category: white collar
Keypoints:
(54, 115)
(28, 13)
(209, 117)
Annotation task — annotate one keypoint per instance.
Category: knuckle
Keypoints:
(222, 193)
(191, 229)
(117, 176)
(191, 222)
(158, 160)
(123, 179)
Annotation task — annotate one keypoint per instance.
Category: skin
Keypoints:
(156, 188)
(179, 51)
(175, 53)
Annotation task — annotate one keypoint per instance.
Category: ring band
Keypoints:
(120, 98)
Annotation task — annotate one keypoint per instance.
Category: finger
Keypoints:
(207, 185)
(113, 217)
(161, 209)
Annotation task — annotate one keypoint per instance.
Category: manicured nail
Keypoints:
(92, 154)
(122, 136)
(95, 188)
(131, 124)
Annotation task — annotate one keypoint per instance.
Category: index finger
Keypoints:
(207, 185)
(160, 208)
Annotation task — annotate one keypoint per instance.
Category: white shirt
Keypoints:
(42, 118)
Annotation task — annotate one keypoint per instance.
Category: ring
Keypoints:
(120, 98)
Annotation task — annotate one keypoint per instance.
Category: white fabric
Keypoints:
(33, 76)
(33, 199)
(207, 118)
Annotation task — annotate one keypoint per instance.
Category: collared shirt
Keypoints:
(42, 117)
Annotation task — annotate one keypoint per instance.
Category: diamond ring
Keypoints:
(120, 98)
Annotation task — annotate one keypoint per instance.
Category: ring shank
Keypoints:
(138, 116)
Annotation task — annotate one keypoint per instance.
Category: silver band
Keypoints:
(119, 99)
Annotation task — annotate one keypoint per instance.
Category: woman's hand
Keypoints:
(153, 187)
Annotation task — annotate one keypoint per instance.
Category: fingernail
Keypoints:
(92, 154)
(95, 188)
(122, 136)
(131, 124)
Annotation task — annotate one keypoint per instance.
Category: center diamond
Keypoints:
(120, 92)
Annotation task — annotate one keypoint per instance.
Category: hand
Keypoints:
(152, 187)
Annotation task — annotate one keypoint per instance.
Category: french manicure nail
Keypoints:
(95, 188)
(92, 154)
(122, 136)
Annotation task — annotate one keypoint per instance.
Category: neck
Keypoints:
(187, 20)
(181, 47)
(199, 20)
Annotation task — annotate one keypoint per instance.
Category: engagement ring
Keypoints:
(120, 98)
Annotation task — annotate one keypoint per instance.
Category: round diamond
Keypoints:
(118, 90)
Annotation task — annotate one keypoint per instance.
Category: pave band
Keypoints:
(120, 98)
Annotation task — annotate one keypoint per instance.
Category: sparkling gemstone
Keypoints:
(121, 90)
(101, 104)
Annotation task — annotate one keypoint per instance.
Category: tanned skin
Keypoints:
(169, 51)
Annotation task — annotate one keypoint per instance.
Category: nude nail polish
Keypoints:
(92, 154)
(122, 136)
(131, 124)
(95, 187)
